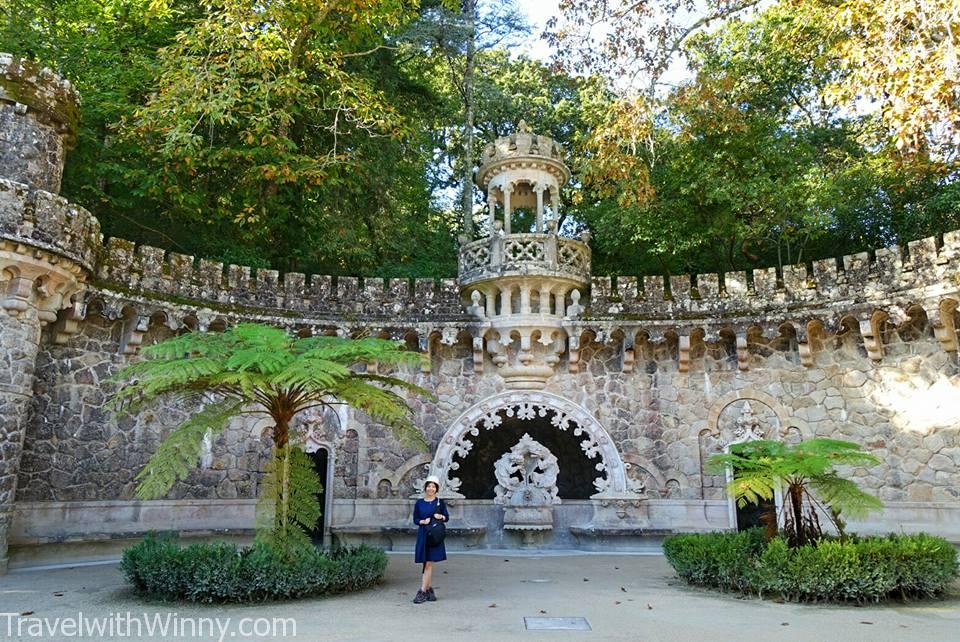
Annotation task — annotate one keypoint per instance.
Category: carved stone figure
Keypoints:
(538, 471)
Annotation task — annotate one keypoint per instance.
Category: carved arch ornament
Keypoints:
(527, 405)
(749, 427)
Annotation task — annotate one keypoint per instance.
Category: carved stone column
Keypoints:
(19, 342)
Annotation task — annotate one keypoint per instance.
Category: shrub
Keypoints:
(857, 569)
(708, 560)
(159, 567)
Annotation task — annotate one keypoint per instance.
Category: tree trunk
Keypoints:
(796, 504)
(469, 11)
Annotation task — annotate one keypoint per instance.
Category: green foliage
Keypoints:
(158, 567)
(288, 508)
(251, 368)
(748, 165)
(856, 570)
(709, 560)
(806, 474)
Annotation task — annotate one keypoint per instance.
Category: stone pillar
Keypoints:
(46, 251)
(507, 191)
(506, 305)
(539, 190)
(524, 298)
(544, 299)
(19, 343)
(492, 209)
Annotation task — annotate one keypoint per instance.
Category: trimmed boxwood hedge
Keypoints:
(158, 567)
(865, 569)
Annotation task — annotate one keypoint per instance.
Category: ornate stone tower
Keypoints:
(523, 285)
(47, 247)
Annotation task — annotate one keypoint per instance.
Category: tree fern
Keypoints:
(253, 368)
(806, 474)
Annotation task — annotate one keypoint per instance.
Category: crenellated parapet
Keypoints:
(927, 269)
(48, 222)
(39, 113)
(153, 272)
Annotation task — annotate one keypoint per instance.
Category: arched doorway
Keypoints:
(321, 464)
(476, 468)
(609, 478)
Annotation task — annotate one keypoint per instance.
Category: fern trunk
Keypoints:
(795, 493)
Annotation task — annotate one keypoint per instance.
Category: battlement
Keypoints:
(149, 269)
(50, 222)
(926, 263)
(39, 113)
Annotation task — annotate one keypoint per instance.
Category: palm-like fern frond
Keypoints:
(844, 496)
(262, 367)
(178, 453)
(752, 487)
(762, 467)
(381, 404)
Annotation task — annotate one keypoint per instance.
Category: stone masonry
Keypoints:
(649, 375)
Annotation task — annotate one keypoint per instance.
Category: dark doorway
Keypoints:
(577, 471)
(320, 460)
(753, 515)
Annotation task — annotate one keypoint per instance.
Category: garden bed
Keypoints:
(159, 567)
(867, 569)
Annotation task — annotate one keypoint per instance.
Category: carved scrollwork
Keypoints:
(528, 406)
(527, 474)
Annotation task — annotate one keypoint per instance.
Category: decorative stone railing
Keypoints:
(524, 254)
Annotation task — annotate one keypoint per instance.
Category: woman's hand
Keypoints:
(424, 521)
(439, 517)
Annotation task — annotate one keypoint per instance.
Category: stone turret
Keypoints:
(47, 246)
(522, 170)
(523, 287)
(39, 112)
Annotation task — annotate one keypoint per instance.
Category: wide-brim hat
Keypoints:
(432, 479)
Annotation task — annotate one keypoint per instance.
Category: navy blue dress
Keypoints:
(423, 553)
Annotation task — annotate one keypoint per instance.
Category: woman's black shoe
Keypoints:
(420, 598)
(431, 596)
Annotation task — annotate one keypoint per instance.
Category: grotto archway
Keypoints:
(521, 407)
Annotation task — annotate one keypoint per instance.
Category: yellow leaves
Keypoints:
(904, 55)
(616, 166)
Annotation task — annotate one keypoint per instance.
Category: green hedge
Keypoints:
(160, 568)
(858, 569)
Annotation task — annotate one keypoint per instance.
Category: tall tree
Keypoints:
(901, 54)
(109, 50)
(267, 97)
(452, 37)
(751, 165)
(470, 14)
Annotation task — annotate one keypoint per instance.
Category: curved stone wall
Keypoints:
(861, 348)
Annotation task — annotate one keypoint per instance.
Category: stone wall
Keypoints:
(666, 372)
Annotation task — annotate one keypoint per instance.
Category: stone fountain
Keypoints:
(527, 488)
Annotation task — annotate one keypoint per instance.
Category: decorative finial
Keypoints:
(522, 127)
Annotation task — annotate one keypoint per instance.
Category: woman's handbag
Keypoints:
(436, 530)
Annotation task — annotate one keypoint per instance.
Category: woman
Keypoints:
(429, 509)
